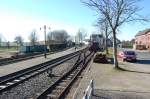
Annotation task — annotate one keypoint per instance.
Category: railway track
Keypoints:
(9, 81)
(6, 61)
(60, 88)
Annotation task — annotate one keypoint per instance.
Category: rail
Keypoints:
(60, 88)
(16, 78)
(18, 58)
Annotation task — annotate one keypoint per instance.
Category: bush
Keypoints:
(100, 58)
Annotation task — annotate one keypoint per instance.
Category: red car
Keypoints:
(127, 55)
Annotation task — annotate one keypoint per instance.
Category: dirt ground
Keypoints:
(5, 53)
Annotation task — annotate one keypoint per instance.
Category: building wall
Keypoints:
(148, 40)
(143, 40)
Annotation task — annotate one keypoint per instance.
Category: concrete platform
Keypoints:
(110, 83)
(10, 68)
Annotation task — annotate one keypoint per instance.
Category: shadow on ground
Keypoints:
(143, 62)
(110, 60)
(117, 94)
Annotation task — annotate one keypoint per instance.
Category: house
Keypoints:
(110, 42)
(142, 40)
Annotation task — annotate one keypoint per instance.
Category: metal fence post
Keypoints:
(89, 91)
(92, 86)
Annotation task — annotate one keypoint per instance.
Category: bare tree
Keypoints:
(19, 41)
(8, 44)
(0, 40)
(104, 27)
(116, 13)
(60, 35)
(81, 35)
(33, 37)
(49, 38)
(105, 30)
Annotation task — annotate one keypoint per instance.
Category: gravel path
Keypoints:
(34, 86)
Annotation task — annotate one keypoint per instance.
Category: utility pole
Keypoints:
(45, 41)
(45, 51)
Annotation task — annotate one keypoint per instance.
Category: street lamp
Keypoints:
(45, 41)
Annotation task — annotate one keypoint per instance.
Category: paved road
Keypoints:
(143, 57)
(142, 64)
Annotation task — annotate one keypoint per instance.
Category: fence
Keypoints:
(89, 91)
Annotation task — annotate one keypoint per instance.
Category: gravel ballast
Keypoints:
(34, 86)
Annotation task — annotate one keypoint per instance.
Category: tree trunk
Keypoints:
(115, 49)
(17, 46)
(106, 47)
(106, 38)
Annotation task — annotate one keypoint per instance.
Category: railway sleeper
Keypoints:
(62, 84)
(56, 91)
(10, 83)
(73, 73)
(78, 68)
(70, 76)
(22, 78)
(51, 96)
(7, 85)
(2, 86)
(34, 73)
(60, 87)
(28, 75)
(65, 80)
(40, 70)
(16, 80)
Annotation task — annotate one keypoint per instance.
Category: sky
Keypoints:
(20, 17)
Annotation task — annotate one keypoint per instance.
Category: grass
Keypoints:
(110, 52)
(8, 49)
(5, 52)
(127, 46)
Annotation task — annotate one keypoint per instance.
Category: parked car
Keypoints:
(127, 56)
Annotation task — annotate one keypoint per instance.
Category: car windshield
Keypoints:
(129, 53)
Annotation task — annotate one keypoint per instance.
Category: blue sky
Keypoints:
(20, 17)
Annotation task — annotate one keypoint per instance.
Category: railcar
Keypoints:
(96, 42)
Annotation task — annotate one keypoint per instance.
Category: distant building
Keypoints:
(31, 49)
(142, 40)
(110, 42)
